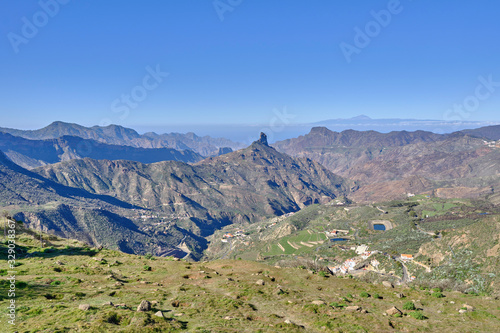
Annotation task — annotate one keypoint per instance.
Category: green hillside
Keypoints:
(68, 287)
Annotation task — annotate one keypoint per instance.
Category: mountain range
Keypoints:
(34, 153)
(389, 165)
(118, 135)
(79, 186)
(238, 187)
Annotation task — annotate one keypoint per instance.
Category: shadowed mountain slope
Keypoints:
(71, 212)
(35, 153)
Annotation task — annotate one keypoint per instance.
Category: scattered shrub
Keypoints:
(112, 318)
(337, 305)
(21, 284)
(364, 294)
(418, 315)
(438, 295)
(409, 306)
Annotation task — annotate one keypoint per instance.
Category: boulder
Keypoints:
(260, 282)
(159, 314)
(393, 311)
(144, 306)
(387, 284)
(318, 302)
(468, 307)
(353, 308)
(84, 307)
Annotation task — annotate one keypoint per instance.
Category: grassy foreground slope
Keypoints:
(217, 296)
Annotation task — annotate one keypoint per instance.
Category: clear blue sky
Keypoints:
(263, 55)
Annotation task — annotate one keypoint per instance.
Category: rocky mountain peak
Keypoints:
(263, 139)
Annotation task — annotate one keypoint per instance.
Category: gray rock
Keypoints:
(84, 307)
(144, 306)
(318, 302)
(159, 314)
(387, 284)
(353, 308)
(260, 282)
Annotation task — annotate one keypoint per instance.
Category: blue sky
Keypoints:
(90, 62)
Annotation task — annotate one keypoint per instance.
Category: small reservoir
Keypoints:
(338, 239)
(380, 225)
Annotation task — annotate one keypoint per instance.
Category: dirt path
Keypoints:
(305, 244)
(295, 246)
(427, 268)
(281, 247)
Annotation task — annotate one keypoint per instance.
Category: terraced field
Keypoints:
(304, 241)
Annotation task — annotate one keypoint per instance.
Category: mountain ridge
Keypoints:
(33, 153)
(119, 135)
